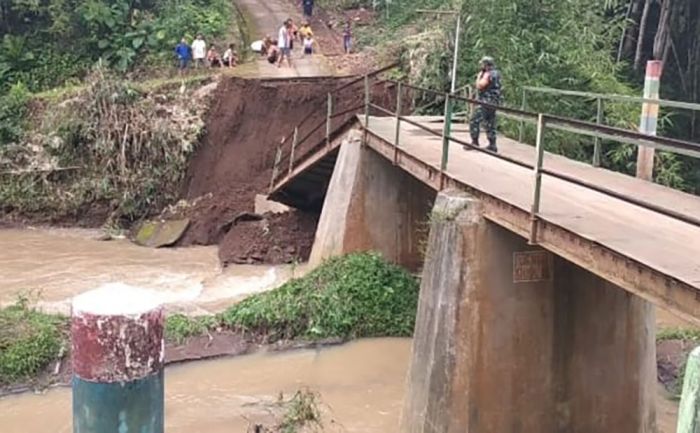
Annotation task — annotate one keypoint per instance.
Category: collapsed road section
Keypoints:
(233, 164)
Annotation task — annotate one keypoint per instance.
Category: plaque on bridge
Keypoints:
(532, 266)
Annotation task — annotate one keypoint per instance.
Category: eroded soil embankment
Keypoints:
(234, 162)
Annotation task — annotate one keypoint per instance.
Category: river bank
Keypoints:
(359, 295)
(210, 344)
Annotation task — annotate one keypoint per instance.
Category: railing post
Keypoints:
(689, 409)
(597, 143)
(523, 105)
(649, 119)
(446, 132)
(537, 187)
(295, 137)
(275, 168)
(328, 118)
(399, 103)
(367, 102)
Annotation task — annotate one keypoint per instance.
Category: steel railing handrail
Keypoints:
(597, 130)
(679, 146)
(573, 125)
(362, 77)
(282, 156)
(689, 219)
(339, 89)
(615, 97)
(542, 120)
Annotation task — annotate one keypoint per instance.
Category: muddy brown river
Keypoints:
(57, 264)
(361, 384)
(361, 387)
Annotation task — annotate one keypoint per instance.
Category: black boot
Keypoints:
(492, 146)
(475, 142)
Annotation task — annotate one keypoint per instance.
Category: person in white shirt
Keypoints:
(199, 51)
(308, 45)
(230, 56)
(283, 39)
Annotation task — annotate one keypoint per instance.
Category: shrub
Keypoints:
(358, 295)
(13, 111)
(29, 341)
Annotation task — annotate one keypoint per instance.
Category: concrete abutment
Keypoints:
(372, 205)
(560, 351)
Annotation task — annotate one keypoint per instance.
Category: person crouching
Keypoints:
(213, 57)
(230, 56)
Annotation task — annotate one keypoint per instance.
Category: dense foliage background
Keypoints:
(586, 45)
(43, 43)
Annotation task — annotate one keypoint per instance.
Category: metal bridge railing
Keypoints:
(600, 98)
(342, 104)
(541, 120)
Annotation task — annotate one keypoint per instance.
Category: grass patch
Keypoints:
(29, 341)
(358, 295)
(678, 334)
(355, 296)
(178, 327)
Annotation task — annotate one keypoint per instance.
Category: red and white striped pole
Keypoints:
(650, 114)
(117, 339)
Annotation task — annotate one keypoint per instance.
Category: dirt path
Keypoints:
(265, 18)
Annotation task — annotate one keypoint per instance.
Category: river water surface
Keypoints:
(361, 384)
(58, 264)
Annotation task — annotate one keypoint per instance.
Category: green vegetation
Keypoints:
(358, 295)
(678, 334)
(29, 341)
(178, 327)
(45, 44)
(111, 145)
(13, 112)
(113, 138)
(354, 296)
(571, 44)
(690, 338)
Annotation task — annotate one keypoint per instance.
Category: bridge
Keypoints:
(540, 273)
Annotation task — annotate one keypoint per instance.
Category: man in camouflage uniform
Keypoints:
(488, 84)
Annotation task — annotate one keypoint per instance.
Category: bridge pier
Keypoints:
(561, 350)
(372, 205)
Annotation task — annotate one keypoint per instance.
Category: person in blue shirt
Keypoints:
(184, 55)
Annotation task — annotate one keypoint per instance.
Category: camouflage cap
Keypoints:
(487, 60)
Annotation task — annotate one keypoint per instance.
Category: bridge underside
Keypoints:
(307, 189)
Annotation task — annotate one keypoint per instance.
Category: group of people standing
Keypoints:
(281, 48)
(198, 54)
(276, 50)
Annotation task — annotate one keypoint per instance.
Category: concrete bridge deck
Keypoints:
(642, 251)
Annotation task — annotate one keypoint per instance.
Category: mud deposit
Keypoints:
(253, 242)
(234, 162)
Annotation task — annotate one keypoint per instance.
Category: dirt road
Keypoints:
(265, 18)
